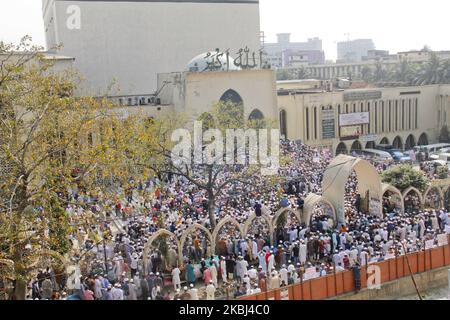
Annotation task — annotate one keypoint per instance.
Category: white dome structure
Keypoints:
(211, 61)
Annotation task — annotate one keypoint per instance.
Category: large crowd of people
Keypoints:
(115, 258)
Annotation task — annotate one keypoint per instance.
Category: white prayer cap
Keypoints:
(191, 285)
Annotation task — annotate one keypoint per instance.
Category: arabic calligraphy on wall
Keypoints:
(245, 59)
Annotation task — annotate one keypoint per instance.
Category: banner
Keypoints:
(310, 273)
(351, 119)
(442, 240)
(447, 229)
(284, 293)
(352, 131)
(429, 244)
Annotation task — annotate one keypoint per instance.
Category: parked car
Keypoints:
(399, 156)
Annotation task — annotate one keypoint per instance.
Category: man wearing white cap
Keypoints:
(271, 262)
(132, 290)
(241, 268)
(223, 269)
(116, 292)
(210, 291)
(284, 274)
(193, 292)
(213, 270)
(176, 278)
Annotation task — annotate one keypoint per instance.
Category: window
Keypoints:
(368, 109)
(315, 123)
(382, 115)
(409, 115)
(416, 114)
(307, 123)
(376, 118)
(396, 115)
(403, 114)
(283, 124)
(231, 96)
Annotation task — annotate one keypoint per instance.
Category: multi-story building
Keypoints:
(347, 120)
(285, 53)
(127, 43)
(422, 55)
(354, 50)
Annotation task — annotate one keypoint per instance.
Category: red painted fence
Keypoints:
(343, 282)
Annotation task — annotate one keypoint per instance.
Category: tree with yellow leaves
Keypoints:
(47, 147)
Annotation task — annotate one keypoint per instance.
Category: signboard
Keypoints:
(389, 255)
(328, 124)
(351, 119)
(429, 244)
(284, 294)
(369, 138)
(442, 240)
(350, 132)
(447, 229)
(362, 95)
(310, 273)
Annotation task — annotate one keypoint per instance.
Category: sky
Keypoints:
(394, 25)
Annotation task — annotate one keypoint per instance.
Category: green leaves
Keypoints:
(405, 176)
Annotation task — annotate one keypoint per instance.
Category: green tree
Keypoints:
(44, 131)
(431, 72)
(404, 176)
(59, 228)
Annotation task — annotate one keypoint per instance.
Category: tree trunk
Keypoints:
(211, 207)
(20, 290)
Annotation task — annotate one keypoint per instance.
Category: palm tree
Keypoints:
(404, 71)
(432, 72)
(379, 73)
(366, 73)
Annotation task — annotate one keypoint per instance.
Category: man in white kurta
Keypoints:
(193, 292)
(210, 291)
(223, 269)
(302, 252)
(213, 271)
(284, 275)
(176, 278)
(271, 263)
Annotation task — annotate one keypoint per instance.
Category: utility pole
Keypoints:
(449, 284)
(410, 271)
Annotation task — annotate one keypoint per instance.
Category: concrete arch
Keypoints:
(398, 142)
(189, 231)
(423, 139)
(385, 187)
(256, 115)
(416, 191)
(222, 223)
(341, 149)
(264, 216)
(282, 211)
(310, 202)
(441, 195)
(336, 177)
(407, 191)
(156, 235)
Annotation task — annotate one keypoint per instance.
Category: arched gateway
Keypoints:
(336, 177)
